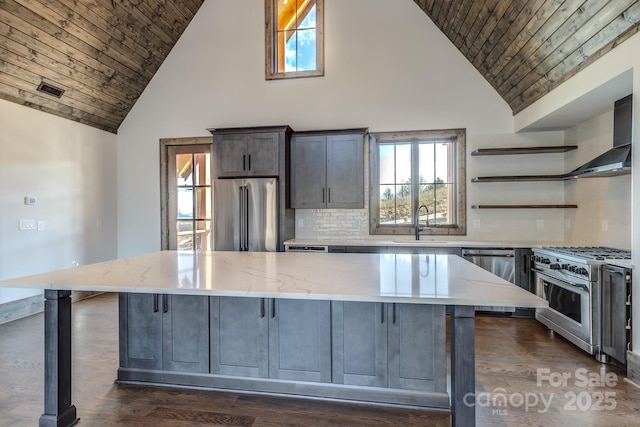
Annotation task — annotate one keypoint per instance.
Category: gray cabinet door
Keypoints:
(417, 347)
(239, 336)
(264, 154)
(140, 331)
(345, 171)
(231, 152)
(185, 333)
(300, 340)
(327, 170)
(247, 154)
(308, 172)
(359, 343)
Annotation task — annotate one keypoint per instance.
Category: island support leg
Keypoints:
(58, 410)
(463, 372)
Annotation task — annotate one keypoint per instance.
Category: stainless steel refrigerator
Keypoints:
(245, 214)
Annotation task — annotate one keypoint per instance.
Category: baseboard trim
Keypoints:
(633, 368)
(14, 310)
(18, 309)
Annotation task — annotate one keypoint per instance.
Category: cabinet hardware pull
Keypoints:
(382, 313)
(273, 308)
(262, 308)
(165, 303)
(155, 303)
(329, 195)
(249, 162)
(323, 191)
(244, 162)
(394, 313)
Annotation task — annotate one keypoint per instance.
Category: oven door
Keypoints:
(570, 311)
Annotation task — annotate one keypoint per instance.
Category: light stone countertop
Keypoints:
(422, 279)
(425, 241)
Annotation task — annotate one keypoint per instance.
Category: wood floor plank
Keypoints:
(514, 358)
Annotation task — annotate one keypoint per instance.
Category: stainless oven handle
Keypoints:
(488, 255)
(575, 285)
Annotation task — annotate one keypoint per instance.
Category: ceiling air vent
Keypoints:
(50, 89)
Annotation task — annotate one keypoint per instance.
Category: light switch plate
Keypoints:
(27, 224)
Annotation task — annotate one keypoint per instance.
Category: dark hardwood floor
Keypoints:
(517, 359)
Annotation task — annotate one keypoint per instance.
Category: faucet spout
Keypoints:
(418, 229)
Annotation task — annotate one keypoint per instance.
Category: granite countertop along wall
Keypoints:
(424, 241)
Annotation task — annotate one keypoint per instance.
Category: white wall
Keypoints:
(387, 68)
(69, 168)
(603, 216)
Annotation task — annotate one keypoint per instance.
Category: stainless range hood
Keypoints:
(616, 161)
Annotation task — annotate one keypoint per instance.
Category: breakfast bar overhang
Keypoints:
(434, 281)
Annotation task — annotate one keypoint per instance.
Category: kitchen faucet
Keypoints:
(418, 220)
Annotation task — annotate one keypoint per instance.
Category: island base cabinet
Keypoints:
(164, 332)
(239, 336)
(399, 346)
(354, 351)
(300, 340)
(417, 347)
(281, 339)
(359, 337)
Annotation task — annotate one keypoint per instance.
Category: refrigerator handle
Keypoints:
(246, 218)
(241, 216)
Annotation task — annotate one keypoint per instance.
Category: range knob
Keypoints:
(565, 266)
(545, 261)
(583, 271)
(555, 266)
(572, 268)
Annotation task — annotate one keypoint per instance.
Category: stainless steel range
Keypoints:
(569, 278)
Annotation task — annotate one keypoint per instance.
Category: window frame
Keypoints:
(271, 44)
(458, 136)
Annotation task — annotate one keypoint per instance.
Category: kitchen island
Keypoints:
(313, 314)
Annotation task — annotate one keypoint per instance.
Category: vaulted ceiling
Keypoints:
(103, 53)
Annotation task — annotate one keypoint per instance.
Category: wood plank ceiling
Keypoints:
(526, 48)
(103, 53)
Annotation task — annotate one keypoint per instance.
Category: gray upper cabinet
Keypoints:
(300, 340)
(239, 336)
(327, 169)
(248, 154)
(168, 332)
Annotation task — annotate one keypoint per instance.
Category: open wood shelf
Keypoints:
(520, 178)
(523, 150)
(524, 207)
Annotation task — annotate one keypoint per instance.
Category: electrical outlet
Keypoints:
(301, 223)
(40, 225)
(540, 223)
(476, 223)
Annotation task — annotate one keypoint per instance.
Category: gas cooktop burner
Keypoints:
(595, 253)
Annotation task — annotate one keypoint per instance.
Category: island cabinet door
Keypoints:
(239, 336)
(140, 331)
(359, 343)
(185, 333)
(417, 347)
(300, 340)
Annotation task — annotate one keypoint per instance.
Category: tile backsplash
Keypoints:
(332, 223)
